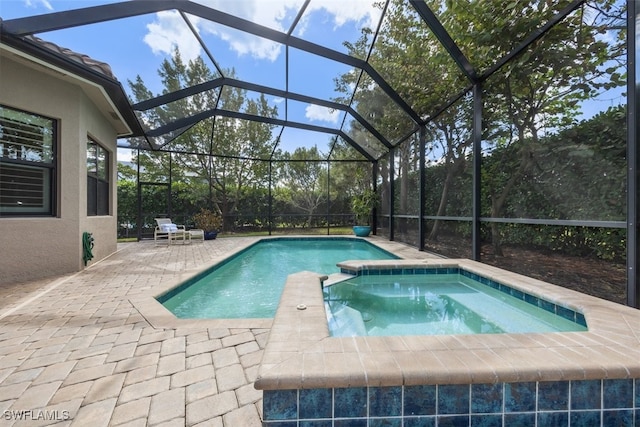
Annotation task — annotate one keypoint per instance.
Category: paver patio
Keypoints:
(75, 351)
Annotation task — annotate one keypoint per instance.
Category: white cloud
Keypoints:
(35, 3)
(169, 29)
(124, 154)
(361, 12)
(322, 114)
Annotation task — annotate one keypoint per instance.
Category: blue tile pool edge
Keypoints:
(561, 310)
(607, 401)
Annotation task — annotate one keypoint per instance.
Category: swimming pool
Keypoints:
(438, 301)
(249, 284)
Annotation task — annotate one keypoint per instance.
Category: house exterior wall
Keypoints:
(38, 247)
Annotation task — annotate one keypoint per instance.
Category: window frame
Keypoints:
(98, 179)
(49, 169)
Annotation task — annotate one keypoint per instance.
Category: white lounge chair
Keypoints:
(167, 230)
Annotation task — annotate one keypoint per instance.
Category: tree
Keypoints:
(224, 146)
(542, 89)
(304, 175)
(536, 92)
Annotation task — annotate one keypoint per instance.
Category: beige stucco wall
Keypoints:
(37, 247)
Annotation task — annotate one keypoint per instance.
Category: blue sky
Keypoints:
(137, 46)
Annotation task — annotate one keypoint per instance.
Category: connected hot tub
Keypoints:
(583, 377)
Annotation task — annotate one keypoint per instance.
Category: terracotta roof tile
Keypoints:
(101, 67)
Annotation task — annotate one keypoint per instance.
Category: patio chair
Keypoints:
(167, 230)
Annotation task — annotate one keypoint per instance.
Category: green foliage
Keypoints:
(207, 220)
(538, 161)
(362, 205)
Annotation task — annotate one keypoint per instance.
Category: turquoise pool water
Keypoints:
(438, 304)
(249, 284)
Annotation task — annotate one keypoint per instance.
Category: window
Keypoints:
(27, 163)
(97, 179)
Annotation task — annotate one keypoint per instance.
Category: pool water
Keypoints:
(249, 285)
(432, 304)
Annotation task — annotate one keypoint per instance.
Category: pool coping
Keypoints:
(301, 354)
(160, 317)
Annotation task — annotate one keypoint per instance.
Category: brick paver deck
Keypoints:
(74, 351)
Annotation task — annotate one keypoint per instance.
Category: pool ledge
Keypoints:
(300, 353)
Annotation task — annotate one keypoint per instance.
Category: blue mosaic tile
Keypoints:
(486, 421)
(566, 313)
(419, 421)
(516, 293)
(385, 422)
(473, 276)
(315, 403)
(385, 401)
(586, 394)
(580, 319)
(623, 418)
(520, 397)
(280, 404)
(486, 398)
(617, 393)
(585, 418)
(454, 421)
(504, 289)
(453, 399)
(546, 305)
(553, 419)
(350, 402)
(521, 419)
(316, 423)
(420, 400)
(553, 395)
(281, 423)
(359, 422)
(533, 300)
(637, 405)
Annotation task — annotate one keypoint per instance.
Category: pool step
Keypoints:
(336, 278)
(510, 318)
(344, 321)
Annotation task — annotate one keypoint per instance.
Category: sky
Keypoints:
(137, 46)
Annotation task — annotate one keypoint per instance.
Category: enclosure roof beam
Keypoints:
(445, 39)
(191, 120)
(222, 81)
(96, 14)
(533, 37)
